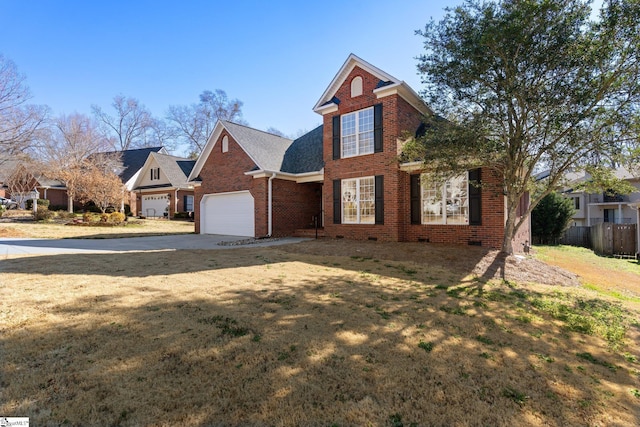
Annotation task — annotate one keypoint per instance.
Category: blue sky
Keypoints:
(277, 57)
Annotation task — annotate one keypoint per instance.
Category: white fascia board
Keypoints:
(411, 166)
(406, 93)
(153, 190)
(297, 177)
(130, 184)
(138, 176)
(327, 109)
(202, 158)
(351, 62)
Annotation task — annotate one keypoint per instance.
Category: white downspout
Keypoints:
(270, 202)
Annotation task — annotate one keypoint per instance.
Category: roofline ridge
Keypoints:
(255, 129)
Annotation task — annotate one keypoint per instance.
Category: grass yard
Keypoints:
(613, 276)
(320, 333)
(9, 227)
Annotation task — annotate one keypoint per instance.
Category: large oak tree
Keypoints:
(522, 86)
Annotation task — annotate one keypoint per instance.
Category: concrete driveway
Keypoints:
(16, 246)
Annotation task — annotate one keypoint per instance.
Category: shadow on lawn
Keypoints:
(372, 343)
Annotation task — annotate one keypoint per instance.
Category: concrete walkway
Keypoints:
(17, 246)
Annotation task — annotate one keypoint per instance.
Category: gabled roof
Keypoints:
(387, 85)
(305, 153)
(9, 166)
(176, 169)
(133, 160)
(265, 149)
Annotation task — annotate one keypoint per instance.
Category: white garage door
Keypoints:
(228, 213)
(154, 205)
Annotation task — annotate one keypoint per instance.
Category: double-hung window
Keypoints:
(357, 133)
(446, 203)
(358, 201)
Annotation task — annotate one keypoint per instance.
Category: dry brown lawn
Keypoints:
(319, 333)
(16, 224)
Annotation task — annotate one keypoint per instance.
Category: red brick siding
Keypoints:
(489, 234)
(56, 197)
(225, 172)
(398, 115)
(294, 206)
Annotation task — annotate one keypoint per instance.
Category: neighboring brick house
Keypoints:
(161, 187)
(50, 189)
(359, 189)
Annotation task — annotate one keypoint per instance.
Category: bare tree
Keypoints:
(67, 153)
(100, 184)
(20, 122)
(194, 123)
(131, 125)
(20, 183)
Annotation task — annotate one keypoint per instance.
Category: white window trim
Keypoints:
(225, 144)
(357, 133)
(357, 200)
(443, 200)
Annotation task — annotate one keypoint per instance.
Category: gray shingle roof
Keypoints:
(305, 153)
(266, 149)
(176, 169)
(133, 160)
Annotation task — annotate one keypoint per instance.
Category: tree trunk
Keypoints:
(70, 203)
(509, 232)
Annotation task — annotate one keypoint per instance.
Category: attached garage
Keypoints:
(231, 214)
(155, 205)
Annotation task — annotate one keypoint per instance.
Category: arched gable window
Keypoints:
(225, 144)
(356, 86)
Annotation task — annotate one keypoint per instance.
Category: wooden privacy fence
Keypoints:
(614, 239)
(577, 236)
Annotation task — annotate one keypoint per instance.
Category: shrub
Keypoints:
(116, 217)
(104, 217)
(181, 215)
(65, 214)
(43, 214)
(42, 203)
(2, 209)
(87, 217)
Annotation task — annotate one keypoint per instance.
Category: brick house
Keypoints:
(52, 190)
(161, 186)
(347, 173)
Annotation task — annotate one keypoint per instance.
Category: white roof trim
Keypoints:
(202, 158)
(327, 109)
(407, 93)
(138, 176)
(211, 142)
(351, 62)
(297, 177)
(411, 166)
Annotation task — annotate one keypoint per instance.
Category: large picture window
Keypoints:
(357, 133)
(358, 201)
(446, 203)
